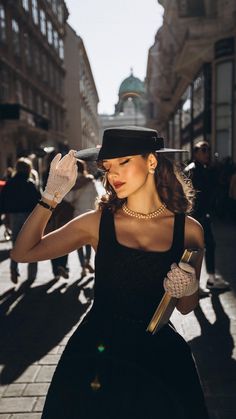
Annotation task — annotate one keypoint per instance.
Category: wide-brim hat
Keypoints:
(126, 141)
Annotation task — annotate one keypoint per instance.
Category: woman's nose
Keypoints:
(114, 171)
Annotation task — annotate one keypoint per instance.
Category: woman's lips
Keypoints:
(118, 185)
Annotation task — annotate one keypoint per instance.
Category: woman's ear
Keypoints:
(152, 163)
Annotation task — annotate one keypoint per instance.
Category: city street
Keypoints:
(36, 322)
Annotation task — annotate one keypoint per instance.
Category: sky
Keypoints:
(117, 35)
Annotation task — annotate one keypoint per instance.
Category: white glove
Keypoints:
(181, 280)
(61, 178)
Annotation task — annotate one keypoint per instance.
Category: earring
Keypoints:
(151, 171)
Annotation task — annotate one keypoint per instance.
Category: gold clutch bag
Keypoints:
(168, 303)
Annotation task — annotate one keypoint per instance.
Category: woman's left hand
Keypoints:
(181, 282)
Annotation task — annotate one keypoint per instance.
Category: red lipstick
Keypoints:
(118, 185)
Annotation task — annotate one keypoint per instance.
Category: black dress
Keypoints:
(112, 368)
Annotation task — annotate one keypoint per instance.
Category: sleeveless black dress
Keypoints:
(111, 367)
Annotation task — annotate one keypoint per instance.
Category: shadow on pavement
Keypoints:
(38, 320)
(4, 254)
(213, 351)
(225, 233)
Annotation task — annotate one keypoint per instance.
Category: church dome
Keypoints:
(131, 85)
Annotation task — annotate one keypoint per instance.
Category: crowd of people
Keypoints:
(145, 192)
(20, 191)
(215, 183)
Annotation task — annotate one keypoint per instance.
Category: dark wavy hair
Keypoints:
(173, 187)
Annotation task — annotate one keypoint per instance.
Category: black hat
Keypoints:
(126, 141)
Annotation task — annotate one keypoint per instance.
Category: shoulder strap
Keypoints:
(106, 229)
(178, 242)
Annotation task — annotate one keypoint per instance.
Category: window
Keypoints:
(50, 33)
(35, 11)
(44, 68)
(4, 85)
(28, 50)
(198, 95)
(15, 37)
(54, 6)
(224, 88)
(45, 108)
(43, 22)
(50, 74)
(19, 92)
(38, 104)
(60, 13)
(61, 49)
(56, 40)
(37, 61)
(2, 24)
(30, 99)
(25, 4)
(186, 108)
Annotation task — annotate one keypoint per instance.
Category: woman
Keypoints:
(112, 368)
(83, 196)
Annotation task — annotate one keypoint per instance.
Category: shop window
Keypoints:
(176, 122)
(35, 11)
(224, 88)
(15, 37)
(2, 24)
(186, 108)
(43, 22)
(198, 95)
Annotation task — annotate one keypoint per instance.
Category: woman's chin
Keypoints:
(121, 195)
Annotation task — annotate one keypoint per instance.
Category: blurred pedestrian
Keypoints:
(112, 367)
(62, 215)
(17, 199)
(232, 197)
(8, 173)
(204, 181)
(83, 197)
(5, 220)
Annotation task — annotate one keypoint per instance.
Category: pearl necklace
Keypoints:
(141, 216)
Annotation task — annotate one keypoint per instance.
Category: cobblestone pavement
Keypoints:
(37, 321)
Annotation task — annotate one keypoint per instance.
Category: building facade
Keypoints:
(131, 106)
(191, 75)
(82, 123)
(32, 109)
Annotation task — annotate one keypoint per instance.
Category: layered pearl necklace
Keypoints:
(141, 216)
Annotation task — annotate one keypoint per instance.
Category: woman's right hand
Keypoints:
(61, 178)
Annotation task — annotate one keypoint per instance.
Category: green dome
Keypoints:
(131, 84)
